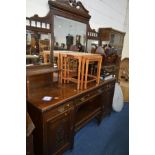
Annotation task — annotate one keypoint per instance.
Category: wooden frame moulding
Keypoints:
(69, 9)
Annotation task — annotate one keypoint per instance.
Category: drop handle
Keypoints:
(82, 99)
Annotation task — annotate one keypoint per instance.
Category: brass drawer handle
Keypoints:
(61, 109)
(82, 99)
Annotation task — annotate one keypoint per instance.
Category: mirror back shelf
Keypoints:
(38, 38)
(39, 24)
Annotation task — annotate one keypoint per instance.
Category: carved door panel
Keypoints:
(58, 133)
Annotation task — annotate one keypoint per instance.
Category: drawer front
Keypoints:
(59, 109)
(58, 133)
(108, 86)
(88, 96)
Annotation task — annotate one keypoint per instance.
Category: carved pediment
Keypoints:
(39, 24)
(73, 6)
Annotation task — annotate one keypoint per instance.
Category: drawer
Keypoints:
(59, 109)
(110, 85)
(88, 96)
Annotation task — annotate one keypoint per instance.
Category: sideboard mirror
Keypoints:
(65, 27)
(38, 38)
(69, 34)
(69, 25)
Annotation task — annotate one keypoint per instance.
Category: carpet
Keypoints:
(111, 137)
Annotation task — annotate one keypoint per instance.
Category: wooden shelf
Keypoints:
(40, 71)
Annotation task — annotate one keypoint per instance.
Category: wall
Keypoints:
(125, 52)
(104, 13)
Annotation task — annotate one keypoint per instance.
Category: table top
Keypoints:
(60, 94)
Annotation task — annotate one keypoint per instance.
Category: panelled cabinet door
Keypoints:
(58, 133)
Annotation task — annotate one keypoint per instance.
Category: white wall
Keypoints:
(125, 52)
(39, 7)
(104, 13)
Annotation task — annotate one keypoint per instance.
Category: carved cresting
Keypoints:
(75, 4)
(72, 6)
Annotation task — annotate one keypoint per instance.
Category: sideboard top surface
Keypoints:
(59, 93)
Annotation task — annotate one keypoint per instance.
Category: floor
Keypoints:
(111, 137)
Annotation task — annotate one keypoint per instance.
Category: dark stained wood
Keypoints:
(66, 8)
(40, 69)
(41, 20)
(47, 22)
(106, 34)
(92, 34)
(29, 145)
(107, 97)
(39, 76)
(58, 120)
(70, 9)
(116, 39)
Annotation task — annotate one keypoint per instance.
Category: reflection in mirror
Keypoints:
(28, 22)
(36, 43)
(105, 43)
(47, 26)
(69, 34)
(38, 24)
(43, 25)
(33, 23)
(92, 45)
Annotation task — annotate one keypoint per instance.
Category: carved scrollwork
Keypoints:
(69, 6)
(75, 4)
